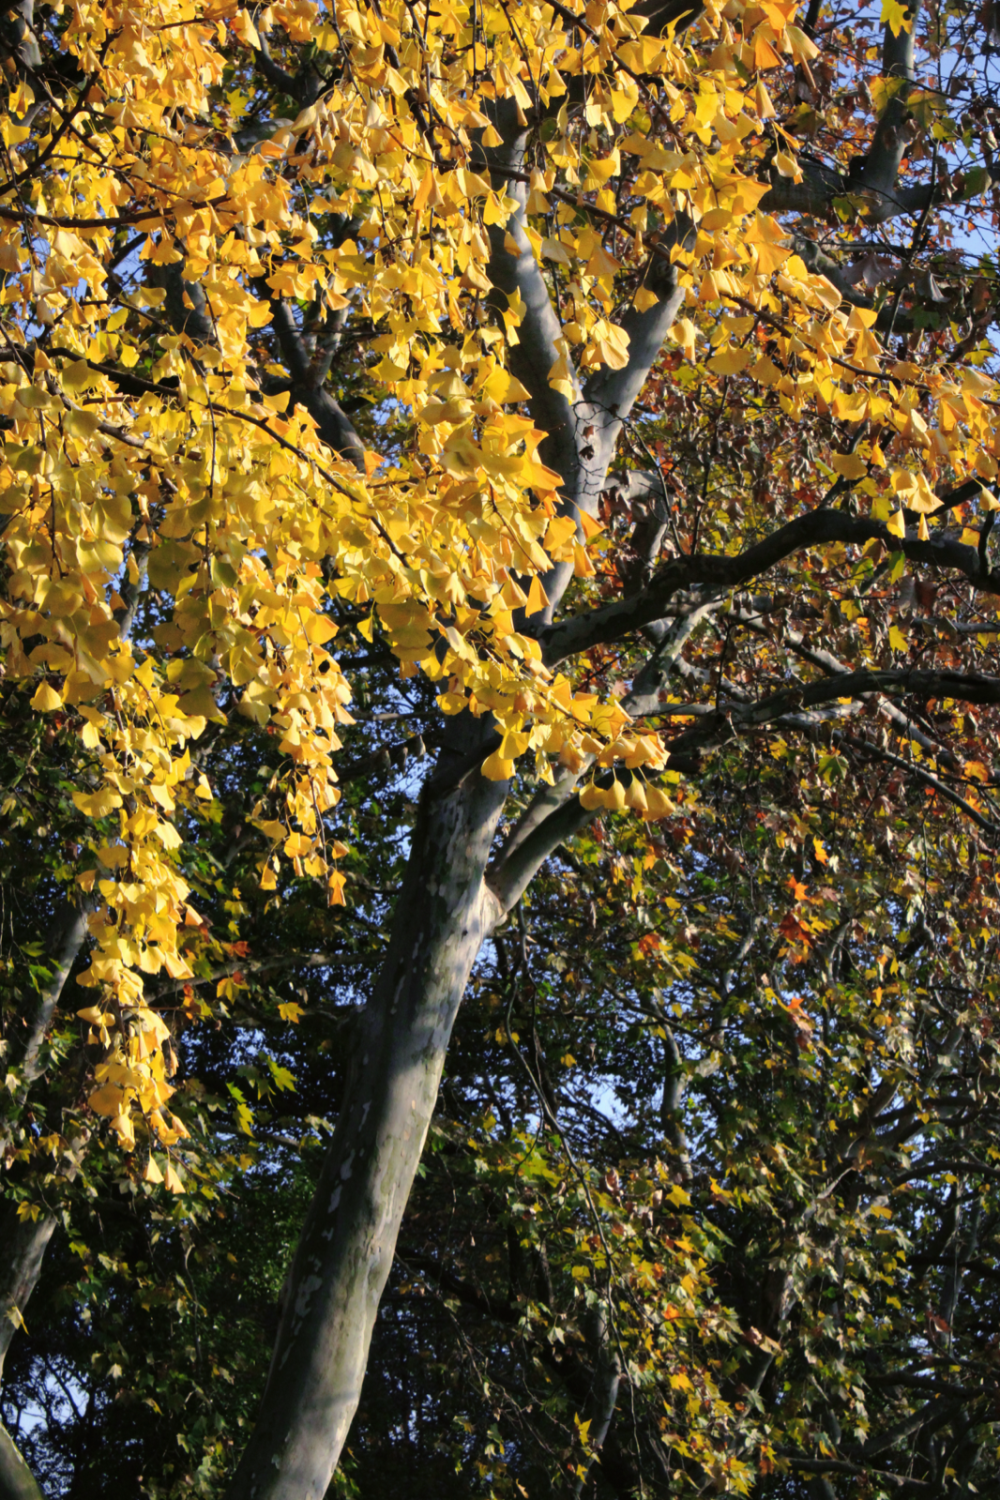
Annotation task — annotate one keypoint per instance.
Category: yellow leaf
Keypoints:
(730, 361)
(850, 465)
(537, 598)
(787, 166)
(496, 768)
(896, 14)
(560, 378)
(107, 1100)
(602, 171)
(244, 28)
(896, 524)
(897, 640)
(46, 698)
(172, 1180)
(685, 334)
(125, 1130)
(97, 804)
(658, 804)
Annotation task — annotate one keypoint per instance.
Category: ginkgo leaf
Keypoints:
(787, 165)
(850, 465)
(730, 361)
(537, 598)
(685, 333)
(97, 804)
(172, 1180)
(46, 699)
(496, 768)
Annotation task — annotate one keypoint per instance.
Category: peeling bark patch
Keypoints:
(334, 1203)
(345, 1170)
(302, 1301)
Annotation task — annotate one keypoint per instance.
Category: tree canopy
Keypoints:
(498, 718)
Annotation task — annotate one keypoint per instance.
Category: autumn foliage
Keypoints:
(606, 392)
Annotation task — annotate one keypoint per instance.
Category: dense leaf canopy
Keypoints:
(498, 766)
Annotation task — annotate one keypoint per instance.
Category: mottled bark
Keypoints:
(444, 912)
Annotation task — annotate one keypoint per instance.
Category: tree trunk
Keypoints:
(16, 1480)
(66, 939)
(445, 911)
(24, 1243)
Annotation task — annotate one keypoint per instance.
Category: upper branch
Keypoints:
(888, 147)
(515, 271)
(304, 87)
(616, 391)
(335, 427)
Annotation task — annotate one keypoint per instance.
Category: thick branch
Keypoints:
(25, 1242)
(335, 427)
(613, 622)
(675, 1085)
(604, 1399)
(539, 334)
(616, 391)
(304, 87)
(582, 427)
(888, 147)
(67, 939)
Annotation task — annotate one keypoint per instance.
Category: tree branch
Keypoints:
(334, 426)
(613, 393)
(67, 939)
(613, 622)
(881, 166)
(537, 348)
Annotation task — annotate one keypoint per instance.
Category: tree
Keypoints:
(513, 348)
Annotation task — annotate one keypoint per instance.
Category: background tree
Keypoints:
(521, 351)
